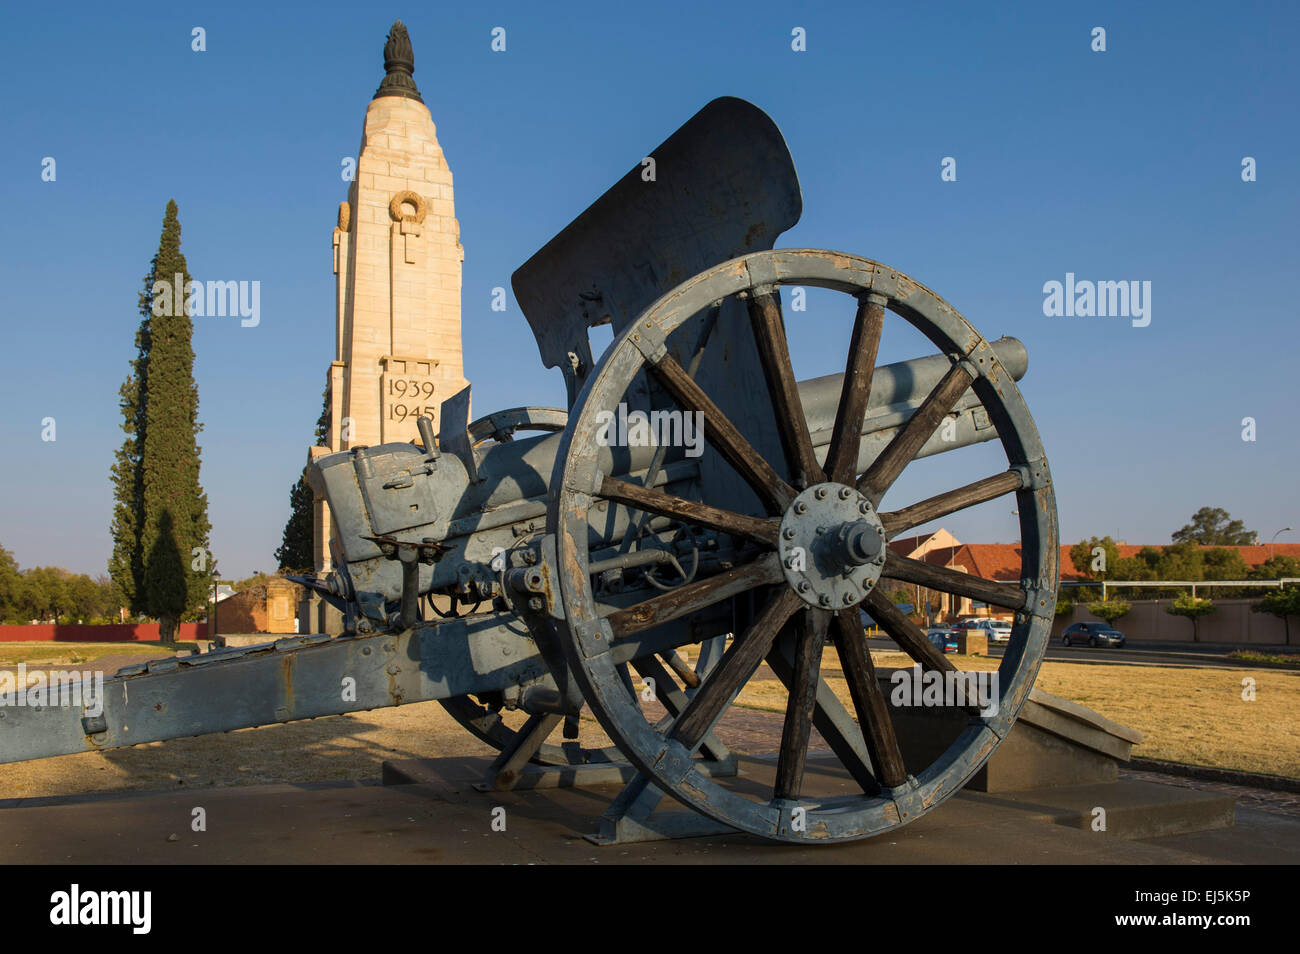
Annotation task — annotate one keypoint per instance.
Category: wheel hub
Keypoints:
(832, 546)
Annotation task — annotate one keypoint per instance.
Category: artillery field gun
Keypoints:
(693, 500)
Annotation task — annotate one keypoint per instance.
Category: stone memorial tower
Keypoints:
(397, 267)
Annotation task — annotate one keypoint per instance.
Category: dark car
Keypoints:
(943, 638)
(1094, 634)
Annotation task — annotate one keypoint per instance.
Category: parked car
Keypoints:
(996, 630)
(942, 637)
(1094, 634)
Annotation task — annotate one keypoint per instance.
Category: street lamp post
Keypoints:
(1274, 540)
(212, 630)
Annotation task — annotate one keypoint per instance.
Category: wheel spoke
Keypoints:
(832, 721)
(674, 701)
(911, 638)
(810, 637)
(868, 699)
(738, 663)
(981, 491)
(758, 529)
(1008, 595)
(694, 597)
(846, 439)
(690, 679)
(906, 633)
(774, 352)
(884, 470)
(771, 488)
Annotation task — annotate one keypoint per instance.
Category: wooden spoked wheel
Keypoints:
(803, 610)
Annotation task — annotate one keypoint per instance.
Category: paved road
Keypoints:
(1184, 655)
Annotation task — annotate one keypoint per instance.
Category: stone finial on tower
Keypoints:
(399, 61)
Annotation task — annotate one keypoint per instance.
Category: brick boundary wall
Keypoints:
(110, 633)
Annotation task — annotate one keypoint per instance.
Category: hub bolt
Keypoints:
(864, 507)
(825, 599)
(788, 533)
(848, 599)
(800, 507)
(845, 493)
(820, 493)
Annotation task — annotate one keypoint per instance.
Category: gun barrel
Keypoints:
(520, 470)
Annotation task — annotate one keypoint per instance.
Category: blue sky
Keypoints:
(1115, 166)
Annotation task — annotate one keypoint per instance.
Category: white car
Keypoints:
(997, 631)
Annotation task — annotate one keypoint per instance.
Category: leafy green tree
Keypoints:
(1064, 608)
(1192, 608)
(46, 593)
(1211, 526)
(1150, 557)
(126, 563)
(1109, 610)
(1181, 561)
(160, 514)
(1132, 568)
(1283, 602)
(1223, 563)
(50, 593)
(10, 586)
(1096, 566)
(165, 584)
(296, 553)
(1277, 568)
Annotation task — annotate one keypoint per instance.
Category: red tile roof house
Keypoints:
(1001, 562)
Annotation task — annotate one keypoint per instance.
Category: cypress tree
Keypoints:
(160, 513)
(296, 552)
(126, 565)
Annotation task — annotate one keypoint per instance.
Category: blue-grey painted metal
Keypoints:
(721, 185)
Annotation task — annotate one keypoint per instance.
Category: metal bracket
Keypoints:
(1036, 599)
(763, 278)
(650, 340)
(907, 799)
(1034, 474)
(964, 362)
(584, 477)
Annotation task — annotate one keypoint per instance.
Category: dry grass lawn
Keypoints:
(61, 654)
(1196, 716)
(1185, 715)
